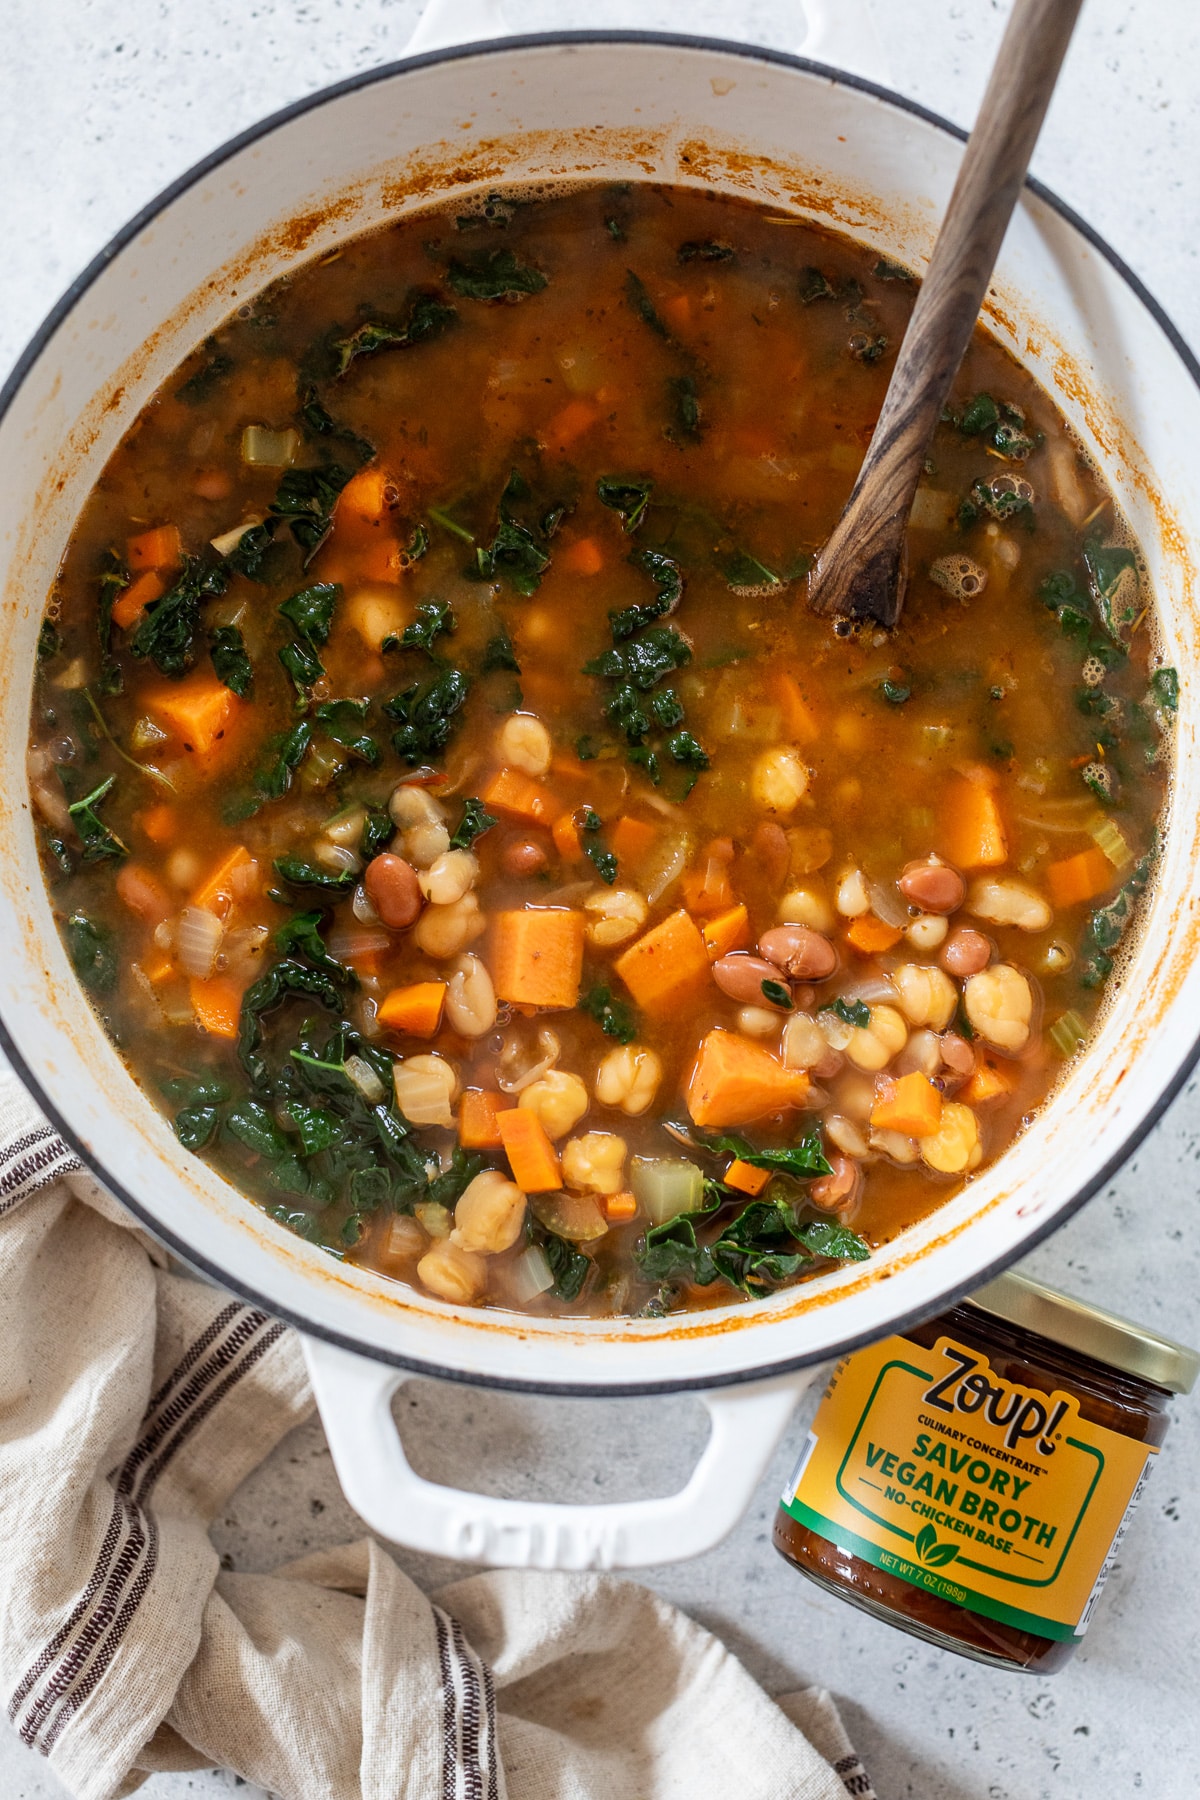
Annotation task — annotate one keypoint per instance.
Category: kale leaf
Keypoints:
(93, 952)
(645, 661)
(300, 938)
(569, 1267)
(342, 720)
(426, 715)
(616, 1018)
(426, 317)
(99, 843)
(281, 981)
(168, 629)
(494, 275)
(298, 872)
(474, 822)
(668, 578)
(310, 611)
(304, 502)
(628, 498)
(517, 553)
(499, 654)
(641, 304)
(434, 619)
(227, 648)
(802, 1160)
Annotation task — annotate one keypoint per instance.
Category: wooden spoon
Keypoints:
(861, 572)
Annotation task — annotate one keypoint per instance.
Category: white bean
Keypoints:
(806, 906)
(450, 877)
(453, 1273)
(927, 931)
(999, 1004)
(470, 998)
(613, 916)
(779, 780)
(757, 1021)
(873, 1046)
(927, 995)
(853, 898)
(954, 1148)
(844, 1133)
(445, 930)
(524, 743)
(413, 805)
(1009, 903)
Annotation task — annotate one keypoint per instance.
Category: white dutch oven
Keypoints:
(595, 107)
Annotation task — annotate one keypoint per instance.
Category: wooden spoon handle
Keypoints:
(860, 572)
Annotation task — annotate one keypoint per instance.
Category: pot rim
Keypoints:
(41, 338)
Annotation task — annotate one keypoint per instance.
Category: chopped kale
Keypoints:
(434, 619)
(302, 664)
(891, 271)
(1000, 424)
(801, 1160)
(342, 720)
(709, 250)
(616, 1018)
(667, 708)
(628, 498)
(1115, 598)
(252, 1125)
(282, 980)
(602, 860)
(814, 285)
(569, 1267)
(895, 692)
(644, 661)
(304, 502)
(850, 1012)
(284, 755)
(425, 317)
(298, 872)
(114, 579)
(426, 715)
(641, 304)
(494, 275)
(93, 952)
(517, 554)
(498, 653)
(376, 832)
(668, 579)
(685, 424)
(745, 574)
(310, 611)
(232, 667)
(99, 843)
(49, 641)
(319, 422)
(169, 625)
(474, 822)
(1106, 926)
(200, 384)
(301, 938)
(1164, 685)
(777, 993)
(249, 555)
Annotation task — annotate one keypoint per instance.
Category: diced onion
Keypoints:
(872, 990)
(337, 856)
(346, 827)
(668, 863)
(263, 448)
(349, 944)
(146, 735)
(229, 540)
(361, 1075)
(361, 907)
(666, 1186)
(887, 905)
(197, 940)
(513, 1072)
(529, 1275)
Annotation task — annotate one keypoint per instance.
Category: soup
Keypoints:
(467, 835)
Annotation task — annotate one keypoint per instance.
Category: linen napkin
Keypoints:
(133, 1400)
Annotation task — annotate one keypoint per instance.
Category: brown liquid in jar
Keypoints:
(1107, 1397)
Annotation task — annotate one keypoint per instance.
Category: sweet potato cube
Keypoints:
(971, 832)
(531, 1156)
(415, 1009)
(1080, 877)
(478, 1113)
(631, 839)
(668, 966)
(991, 1080)
(196, 712)
(744, 1178)
(728, 931)
(516, 794)
(537, 956)
(217, 1004)
(735, 1081)
(870, 936)
(911, 1105)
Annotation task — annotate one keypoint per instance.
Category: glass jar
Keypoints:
(970, 1481)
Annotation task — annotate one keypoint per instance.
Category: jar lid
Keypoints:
(1103, 1336)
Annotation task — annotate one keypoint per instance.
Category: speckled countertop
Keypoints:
(104, 101)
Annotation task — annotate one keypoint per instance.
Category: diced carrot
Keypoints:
(159, 548)
(537, 956)
(517, 794)
(668, 966)
(363, 499)
(478, 1111)
(583, 557)
(620, 1208)
(198, 710)
(129, 606)
(677, 311)
(736, 1081)
(990, 1080)
(217, 1004)
(728, 931)
(576, 417)
(972, 834)
(143, 893)
(799, 720)
(365, 963)
(706, 890)
(416, 1009)
(160, 822)
(219, 890)
(1079, 877)
(158, 967)
(744, 1178)
(870, 936)
(630, 839)
(911, 1105)
(566, 838)
(531, 1156)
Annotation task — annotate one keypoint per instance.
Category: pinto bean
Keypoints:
(802, 954)
(742, 977)
(523, 856)
(771, 851)
(394, 891)
(838, 1192)
(933, 886)
(958, 1058)
(965, 952)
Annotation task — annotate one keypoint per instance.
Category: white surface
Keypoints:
(102, 104)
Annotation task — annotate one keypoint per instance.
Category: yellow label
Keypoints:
(997, 1497)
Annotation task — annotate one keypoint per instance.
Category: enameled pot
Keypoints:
(587, 106)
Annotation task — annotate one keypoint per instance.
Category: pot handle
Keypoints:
(354, 1395)
(839, 32)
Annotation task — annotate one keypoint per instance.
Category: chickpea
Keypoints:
(803, 1043)
(524, 743)
(926, 931)
(523, 857)
(873, 1046)
(1009, 903)
(999, 1003)
(453, 1273)
(927, 996)
(806, 906)
(838, 1193)
(844, 1133)
(425, 1087)
(965, 953)
(490, 1214)
(470, 998)
(854, 1096)
(414, 805)
(779, 780)
(853, 900)
(628, 1078)
(445, 930)
(594, 1162)
(423, 844)
(933, 886)
(757, 1021)
(450, 877)
(802, 954)
(393, 890)
(614, 916)
(954, 1148)
(558, 1099)
(741, 977)
(901, 1149)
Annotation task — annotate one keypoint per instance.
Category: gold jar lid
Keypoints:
(1103, 1336)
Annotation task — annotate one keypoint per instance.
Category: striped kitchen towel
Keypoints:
(133, 1400)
